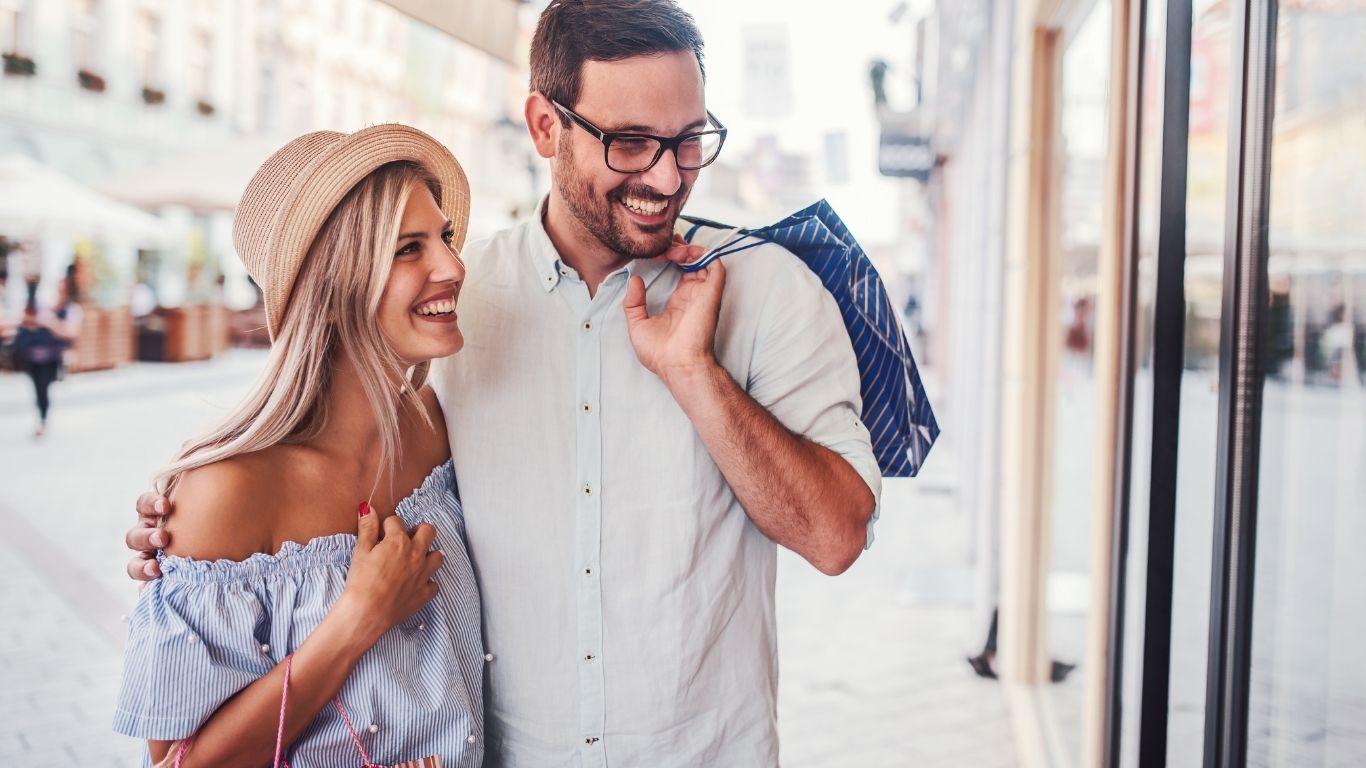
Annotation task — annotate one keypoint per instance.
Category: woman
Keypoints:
(302, 603)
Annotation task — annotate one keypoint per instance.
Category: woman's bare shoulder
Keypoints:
(224, 510)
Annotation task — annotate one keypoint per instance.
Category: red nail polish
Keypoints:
(364, 508)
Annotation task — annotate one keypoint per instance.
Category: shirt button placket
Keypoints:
(592, 698)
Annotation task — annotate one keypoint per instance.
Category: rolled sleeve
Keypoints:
(804, 371)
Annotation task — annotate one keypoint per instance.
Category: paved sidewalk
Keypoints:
(872, 662)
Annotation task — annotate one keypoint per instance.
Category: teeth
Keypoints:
(444, 307)
(644, 206)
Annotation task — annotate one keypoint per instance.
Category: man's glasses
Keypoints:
(638, 152)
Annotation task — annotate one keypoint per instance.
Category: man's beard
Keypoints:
(596, 213)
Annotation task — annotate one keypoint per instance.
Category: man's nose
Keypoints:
(664, 176)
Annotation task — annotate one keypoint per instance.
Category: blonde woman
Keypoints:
(318, 603)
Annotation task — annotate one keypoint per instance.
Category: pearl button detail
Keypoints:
(265, 648)
(193, 639)
(374, 728)
(488, 657)
(471, 739)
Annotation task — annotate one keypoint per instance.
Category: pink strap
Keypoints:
(284, 698)
(354, 737)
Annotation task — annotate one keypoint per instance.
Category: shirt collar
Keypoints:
(550, 268)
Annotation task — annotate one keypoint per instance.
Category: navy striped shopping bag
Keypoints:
(895, 409)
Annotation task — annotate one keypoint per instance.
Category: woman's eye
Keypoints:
(407, 250)
(448, 236)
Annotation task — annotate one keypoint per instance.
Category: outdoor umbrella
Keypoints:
(37, 202)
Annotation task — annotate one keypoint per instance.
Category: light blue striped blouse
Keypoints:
(206, 630)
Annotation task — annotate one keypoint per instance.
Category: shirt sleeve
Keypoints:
(191, 646)
(804, 370)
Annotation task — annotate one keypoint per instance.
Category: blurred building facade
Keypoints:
(170, 106)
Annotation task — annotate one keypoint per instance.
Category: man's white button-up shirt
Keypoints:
(626, 595)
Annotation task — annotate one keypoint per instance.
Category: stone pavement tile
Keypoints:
(59, 678)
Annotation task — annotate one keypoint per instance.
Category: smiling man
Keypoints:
(631, 442)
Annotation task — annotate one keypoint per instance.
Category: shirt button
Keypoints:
(374, 728)
(488, 657)
(588, 571)
(587, 489)
(470, 740)
(265, 648)
(588, 741)
(421, 626)
(588, 325)
(587, 407)
(192, 639)
(589, 658)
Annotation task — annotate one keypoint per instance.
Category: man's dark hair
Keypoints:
(571, 32)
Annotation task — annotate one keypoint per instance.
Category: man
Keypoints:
(630, 442)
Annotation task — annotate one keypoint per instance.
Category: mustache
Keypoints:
(643, 192)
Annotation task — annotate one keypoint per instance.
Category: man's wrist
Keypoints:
(688, 380)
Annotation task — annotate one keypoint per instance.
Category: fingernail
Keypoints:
(364, 509)
(160, 506)
(151, 568)
(158, 538)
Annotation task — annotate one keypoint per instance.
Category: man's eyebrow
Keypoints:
(637, 128)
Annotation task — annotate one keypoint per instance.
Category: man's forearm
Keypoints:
(800, 494)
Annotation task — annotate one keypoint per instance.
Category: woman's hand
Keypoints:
(390, 577)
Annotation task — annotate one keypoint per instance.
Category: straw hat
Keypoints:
(296, 189)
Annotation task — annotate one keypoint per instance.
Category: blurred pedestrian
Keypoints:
(39, 342)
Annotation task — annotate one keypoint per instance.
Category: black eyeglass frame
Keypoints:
(665, 143)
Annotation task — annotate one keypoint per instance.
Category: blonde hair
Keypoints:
(332, 310)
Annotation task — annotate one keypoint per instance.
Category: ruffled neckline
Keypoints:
(293, 556)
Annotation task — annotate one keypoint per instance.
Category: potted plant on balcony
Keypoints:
(152, 95)
(19, 64)
(90, 81)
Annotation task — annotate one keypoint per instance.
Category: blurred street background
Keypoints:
(1057, 196)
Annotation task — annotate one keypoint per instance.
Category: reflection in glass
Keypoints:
(1085, 94)
(1308, 677)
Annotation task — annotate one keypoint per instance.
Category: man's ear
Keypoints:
(543, 123)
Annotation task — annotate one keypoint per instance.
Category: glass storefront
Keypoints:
(1189, 692)
(1307, 703)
